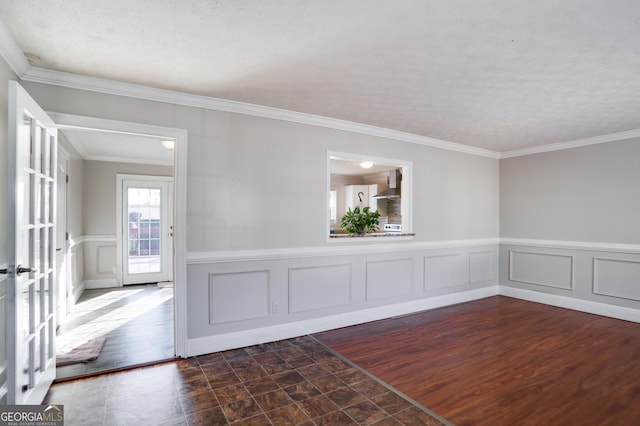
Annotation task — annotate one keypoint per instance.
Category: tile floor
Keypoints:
(136, 320)
(291, 382)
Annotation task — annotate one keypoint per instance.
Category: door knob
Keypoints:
(22, 269)
(4, 271)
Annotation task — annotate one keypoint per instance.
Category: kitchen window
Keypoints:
(382, 184)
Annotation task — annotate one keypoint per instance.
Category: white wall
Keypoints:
(570, 229)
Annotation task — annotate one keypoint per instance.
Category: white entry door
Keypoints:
(31, 356)
(147, 229)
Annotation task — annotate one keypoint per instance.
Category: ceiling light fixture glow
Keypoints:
(366, 164)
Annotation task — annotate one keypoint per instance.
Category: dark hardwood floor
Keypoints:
(136, 320)
(503, 361)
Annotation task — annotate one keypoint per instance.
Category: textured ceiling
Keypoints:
(497, 74)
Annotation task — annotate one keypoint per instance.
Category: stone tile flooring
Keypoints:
(290, 382)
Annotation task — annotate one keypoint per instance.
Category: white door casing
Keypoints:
(69, 121)
(31, 250)
(63, 280)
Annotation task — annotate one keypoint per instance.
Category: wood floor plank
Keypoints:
(505, 361)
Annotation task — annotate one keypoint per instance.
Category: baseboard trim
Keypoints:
(221, 342)
(603, 309)
(77, 291)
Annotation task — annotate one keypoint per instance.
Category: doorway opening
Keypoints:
(124, 258)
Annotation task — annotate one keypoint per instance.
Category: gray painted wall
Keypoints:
(570, 223)
(256, 183)
(99, 192)
(589, 193)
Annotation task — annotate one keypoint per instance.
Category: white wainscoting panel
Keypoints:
(77, 271)
(546, 269)
(106, 258)
(238, 296)
(480, 266)
(616, 277)
(388, 279)
(318, 287)
(447, 270)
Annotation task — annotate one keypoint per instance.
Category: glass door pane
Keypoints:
(144, 206)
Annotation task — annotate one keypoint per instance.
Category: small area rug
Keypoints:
(86, 352)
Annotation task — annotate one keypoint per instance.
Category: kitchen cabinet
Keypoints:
(361, 196)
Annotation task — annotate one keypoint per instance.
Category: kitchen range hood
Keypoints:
(395, 176)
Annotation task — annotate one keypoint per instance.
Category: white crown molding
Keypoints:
(194, 258)
(16, 60)
(572, 245)
(12, 53)
(595, 140)
(101, 85)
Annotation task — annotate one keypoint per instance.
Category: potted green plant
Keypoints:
(360, 220)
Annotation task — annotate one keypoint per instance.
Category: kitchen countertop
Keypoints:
(372, 235)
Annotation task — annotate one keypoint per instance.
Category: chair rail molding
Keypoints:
(194, 258)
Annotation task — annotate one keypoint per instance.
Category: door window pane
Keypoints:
(143, 208)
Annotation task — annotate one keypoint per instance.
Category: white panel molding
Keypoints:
(623, 282)
(604, 309)
(220, 342)
(194, 258)
(103, 254)
(542, 267)
(445, 271)
(100, 283)
(388, 279)
(238, 296)
(573, 245)
(319, 287)
(481, 266)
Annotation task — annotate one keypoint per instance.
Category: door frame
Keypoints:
(78, 122)
(62, 223)
(120, 222)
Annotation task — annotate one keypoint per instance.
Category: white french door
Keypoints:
(31, 275)
(147, 229)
